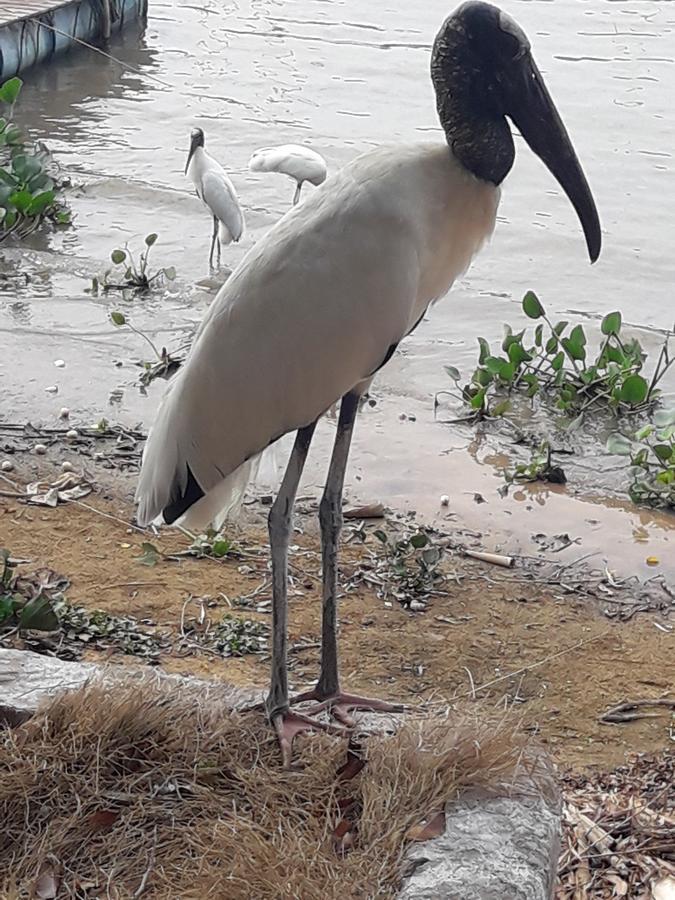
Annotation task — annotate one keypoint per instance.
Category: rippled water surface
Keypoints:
(344, 77)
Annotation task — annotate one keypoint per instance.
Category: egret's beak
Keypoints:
(530, 106)
(194, 143)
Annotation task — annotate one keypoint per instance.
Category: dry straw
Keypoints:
(150, 791)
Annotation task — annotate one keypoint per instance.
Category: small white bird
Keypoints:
(216, 191)
(298, 162)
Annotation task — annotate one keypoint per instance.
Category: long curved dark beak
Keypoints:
(194, 143)
(534, 113)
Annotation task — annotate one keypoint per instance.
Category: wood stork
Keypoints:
(321, 302)
(298, 162)
(216, 192)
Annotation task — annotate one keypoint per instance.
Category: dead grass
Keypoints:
(146, 791)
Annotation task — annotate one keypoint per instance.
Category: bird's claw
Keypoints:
(288, 725)
(340, 704)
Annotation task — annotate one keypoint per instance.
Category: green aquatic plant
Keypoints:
(554, 362)
(130, 275)
(29, 194)
(652, 460)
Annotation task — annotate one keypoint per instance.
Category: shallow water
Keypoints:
(343, 77)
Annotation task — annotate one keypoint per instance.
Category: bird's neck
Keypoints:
(478, 135)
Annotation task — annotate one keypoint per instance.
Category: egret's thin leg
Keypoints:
(213, 241)
(280, 523)
(296, 195)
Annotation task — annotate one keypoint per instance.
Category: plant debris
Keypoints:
(619, 832)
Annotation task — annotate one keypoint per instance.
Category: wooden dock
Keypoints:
(16, 10)
(34, 31)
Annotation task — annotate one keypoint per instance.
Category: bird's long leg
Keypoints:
(296, 195)
(327, 689)
(286, 724)
(214, 235)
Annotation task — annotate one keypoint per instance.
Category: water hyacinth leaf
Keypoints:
(10, 219)
(644, 432)
(40, 203)
(494, 364)
(557, 361)
(10, 90)
(532, 307)
(663, 451)
(664, 417)
(8, 178)
(482, 377)
(118, 318)
(611, 324)
(552, 344)
(38, 614)
(6, 607)
(478, 399)
(170, 273)
(518, 354)
(507, 372)
(221, 548)
(150, 240)
(484, 350)
(634, 390)
(619, 444)
(559, 327)
(40, 182)
(538, 335)
(21, 200)
(575, 350)
(453, 372)
(13, 135)
(118, 256)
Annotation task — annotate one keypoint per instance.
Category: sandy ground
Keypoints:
(501, 638)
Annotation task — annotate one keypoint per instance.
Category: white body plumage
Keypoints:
(297, 162)
(311, 312)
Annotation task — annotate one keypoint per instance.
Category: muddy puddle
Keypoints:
(344, 77)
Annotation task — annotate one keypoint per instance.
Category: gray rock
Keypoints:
(498, 848)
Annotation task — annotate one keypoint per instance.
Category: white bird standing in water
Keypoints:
(216, 191)
(298, 162)
(321, 302)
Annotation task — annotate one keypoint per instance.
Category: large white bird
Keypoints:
(321, 302)
(216, 191)
(298, 162)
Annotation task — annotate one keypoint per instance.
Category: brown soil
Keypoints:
(570, 662)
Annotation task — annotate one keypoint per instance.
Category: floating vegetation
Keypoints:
(652, 457)
(29, 192)
(555, 363)
(130, 275)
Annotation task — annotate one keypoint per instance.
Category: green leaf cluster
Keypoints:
(553, 361)
(652, 457)
(28, 194)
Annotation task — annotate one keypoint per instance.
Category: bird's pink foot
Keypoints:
(340, 704)
(289, 724)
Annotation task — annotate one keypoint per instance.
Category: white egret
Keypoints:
(298, 162)
(216, 192)
(321, 302)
